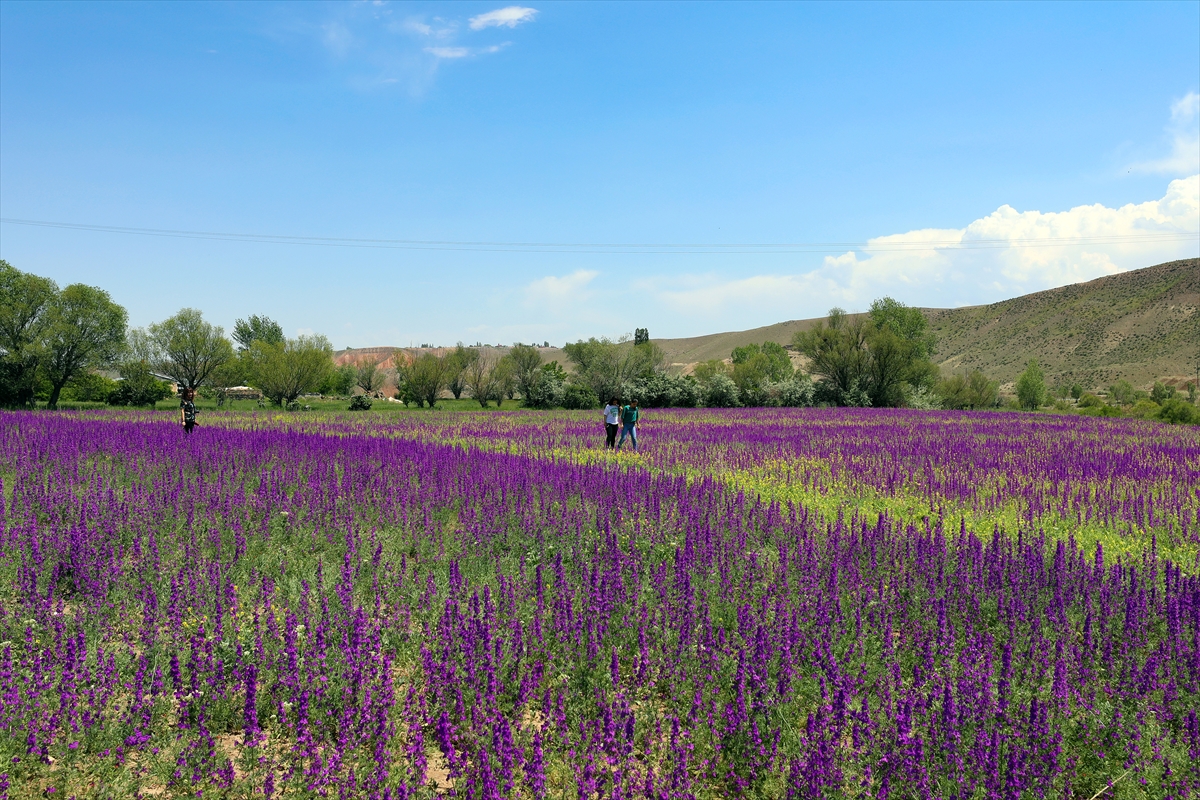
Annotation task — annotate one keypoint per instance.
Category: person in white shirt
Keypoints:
(612, 412)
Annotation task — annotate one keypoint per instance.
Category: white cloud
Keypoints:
(1004, 254)
(449, 52)
(510, 16)
(413, 26)
(558, 293)
(1184, 132)
(337, 38)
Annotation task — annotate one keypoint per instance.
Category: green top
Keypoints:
(629, 415)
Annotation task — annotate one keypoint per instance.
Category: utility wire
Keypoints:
(743, 248)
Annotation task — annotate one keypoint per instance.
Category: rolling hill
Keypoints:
(1140, 326)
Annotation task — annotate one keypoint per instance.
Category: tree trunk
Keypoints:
(55, 391)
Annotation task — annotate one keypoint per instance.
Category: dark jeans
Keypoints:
(610, 434)
(187, 426)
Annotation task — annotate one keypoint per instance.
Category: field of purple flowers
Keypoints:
(781, 604)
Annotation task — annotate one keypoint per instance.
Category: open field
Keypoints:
(762, 603)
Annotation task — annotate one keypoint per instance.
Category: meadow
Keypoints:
(824, 603)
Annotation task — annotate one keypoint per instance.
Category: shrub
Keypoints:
(1179, 411)
(1145, 409)
(721, 392)
(922, 399)
(1089, 401)
(360, 402)
(578, 396)
(663, 391)
(795, 392)
(545, 389)
(1031, 387)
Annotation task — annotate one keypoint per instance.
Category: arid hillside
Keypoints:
(1140, 326)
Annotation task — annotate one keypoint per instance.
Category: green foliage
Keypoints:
(704, 371)
(84, 329)
(24, 301)
(138, 387)
(1178, 411)
(283, 371)
(368, 375)
(579, 396)
(456, 364)
(721, 392)
(1031, 387)
(256, 329)
(663, 391)
(187, 348)
(1089, 401)
(794, 392)
(1076, 391)
(422, 380)
(757, 365)
(641, 336)
(971, 391)
(526, 360)
(1161, 393)
(546, 388)
(877, 360)
(339, 381)
(1145, 409)
(89, 387)
(905, 322)
(360, 402)
(1121, 393)
(605, 366)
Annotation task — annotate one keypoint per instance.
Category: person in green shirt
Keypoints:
(629, 421)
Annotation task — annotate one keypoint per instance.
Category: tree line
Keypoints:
(54, 342)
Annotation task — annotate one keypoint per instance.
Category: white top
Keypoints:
(611, 413)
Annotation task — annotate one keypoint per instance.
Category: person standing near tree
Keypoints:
(187, 409)
(629, 421)
(612, 413)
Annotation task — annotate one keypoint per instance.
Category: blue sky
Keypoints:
(944, 154)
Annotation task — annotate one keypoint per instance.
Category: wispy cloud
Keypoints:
(449, 52)
(1184, 133)
(509, 16)
(556, 292)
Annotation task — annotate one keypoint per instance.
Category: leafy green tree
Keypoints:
(837, 353)
(457, 363)
(84, 330)
(1161, 393)
(1031, 387)
(138, 387)
(187, 348)
(24, 303)
(480, 378)
(721, 392)
(1122, 393)
(907, 323)
(705, 370)
(1176, 410)
(526, 361)
(368, 376)
(256, 329)
(422, 379)
(89, 387)
(579, 396)
(339, 381)
(641, 336)
(285, 370)
(506, 380)
(547, 387)
(878, 359)
(1076, 391)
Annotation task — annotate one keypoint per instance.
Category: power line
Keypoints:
(741, 248)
